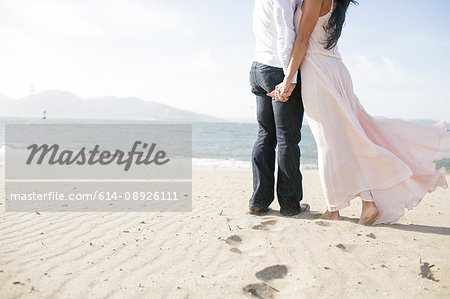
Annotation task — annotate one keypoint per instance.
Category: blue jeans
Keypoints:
(279, 124)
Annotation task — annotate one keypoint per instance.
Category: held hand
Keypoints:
(282, 91)
(273, 93)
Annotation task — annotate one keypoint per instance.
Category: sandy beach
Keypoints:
(220, 251)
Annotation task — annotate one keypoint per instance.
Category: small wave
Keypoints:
(221, 163)
(231, 163)
(308, 166)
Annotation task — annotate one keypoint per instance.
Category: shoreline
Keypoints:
(230, 163)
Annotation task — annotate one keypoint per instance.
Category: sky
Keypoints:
(196, 54)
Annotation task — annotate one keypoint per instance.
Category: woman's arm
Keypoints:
(311, 12)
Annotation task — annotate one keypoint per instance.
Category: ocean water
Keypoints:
(213, 144)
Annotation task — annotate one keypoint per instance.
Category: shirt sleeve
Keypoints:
(284, 24)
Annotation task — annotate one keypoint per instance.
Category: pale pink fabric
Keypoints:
(393, 159)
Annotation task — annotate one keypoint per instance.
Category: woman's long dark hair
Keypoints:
(336, 22)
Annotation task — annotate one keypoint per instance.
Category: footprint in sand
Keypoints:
(425, 270)
(235, 250)
(263, 290)
(341, 246)
(259, 290)
(264, 225)
(272, 272)
(345, 248)
(234, 240)
(371, 235)
(322, 223)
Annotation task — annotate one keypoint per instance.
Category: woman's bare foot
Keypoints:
(331, 215)
(369, 213)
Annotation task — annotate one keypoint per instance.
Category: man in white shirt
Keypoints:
(279, 122)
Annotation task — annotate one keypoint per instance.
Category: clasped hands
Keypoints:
(282, 91)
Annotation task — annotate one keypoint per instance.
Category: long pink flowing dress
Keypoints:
(387, 161)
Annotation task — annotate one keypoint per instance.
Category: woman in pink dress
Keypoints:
(388, 163)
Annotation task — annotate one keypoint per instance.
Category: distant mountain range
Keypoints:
(62, 104)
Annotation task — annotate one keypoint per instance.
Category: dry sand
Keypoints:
(220, 251)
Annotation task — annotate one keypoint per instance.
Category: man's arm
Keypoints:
(284, 24)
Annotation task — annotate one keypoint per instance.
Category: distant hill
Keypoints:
(62, 104)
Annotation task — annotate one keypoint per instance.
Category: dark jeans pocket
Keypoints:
(264, 78)
(254, 82)
(271, 79)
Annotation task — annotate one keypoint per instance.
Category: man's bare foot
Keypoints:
(369, 213)
(331, 215)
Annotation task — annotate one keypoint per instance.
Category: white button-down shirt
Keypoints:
(273, 26)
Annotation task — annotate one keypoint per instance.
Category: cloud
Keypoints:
(383, 71)
(93, 19)
(58, 18)
(138, 18)
(389, 89)
(53, 44)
